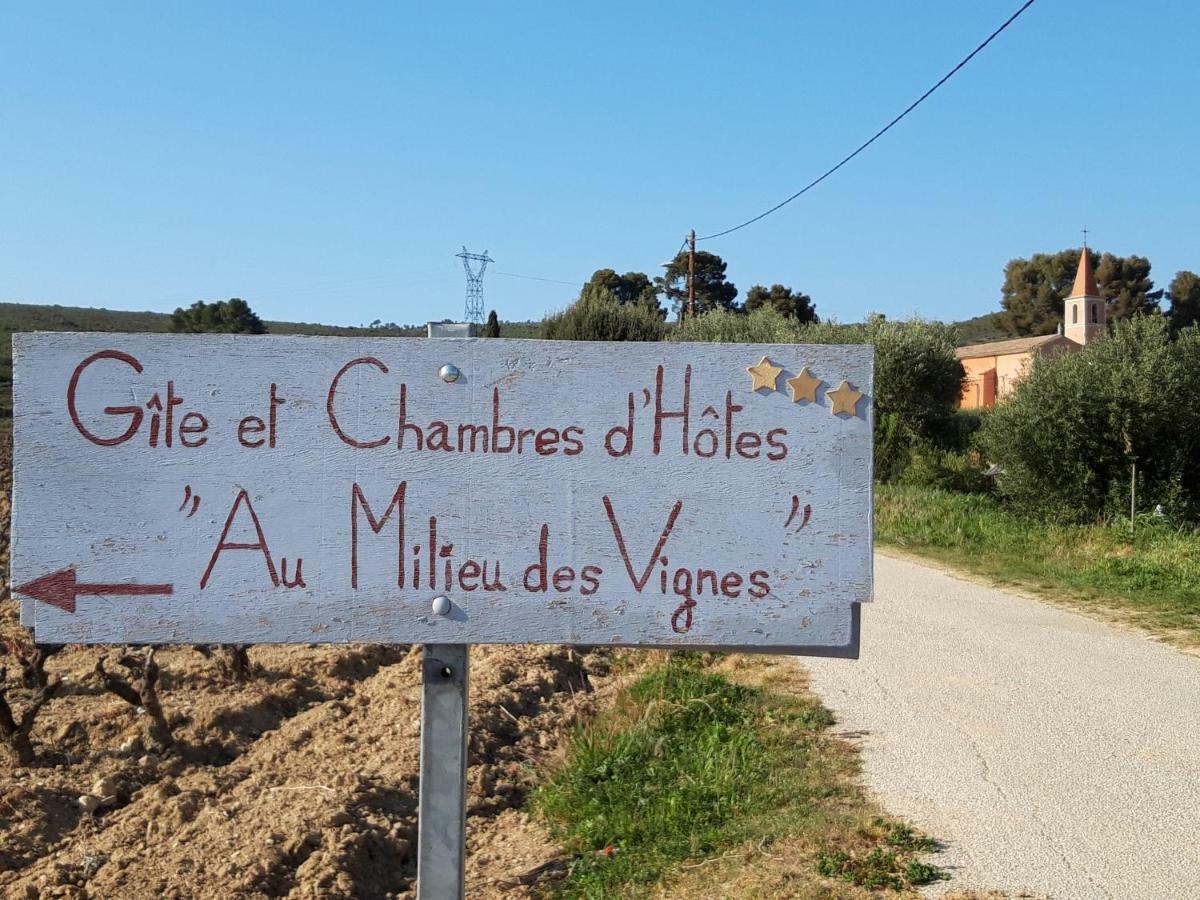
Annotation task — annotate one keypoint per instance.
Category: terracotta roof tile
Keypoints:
(1016, 345)
(1085, 281)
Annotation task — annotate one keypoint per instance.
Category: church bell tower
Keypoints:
(1085, 316)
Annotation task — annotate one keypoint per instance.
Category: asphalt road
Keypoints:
(1050, 752)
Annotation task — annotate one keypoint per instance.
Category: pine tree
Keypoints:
(492, 328)
(223, 317)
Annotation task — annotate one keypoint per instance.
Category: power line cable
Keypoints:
(538, 278)
(383, 279)
(880, 133)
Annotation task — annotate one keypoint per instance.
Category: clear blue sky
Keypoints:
(326, 161)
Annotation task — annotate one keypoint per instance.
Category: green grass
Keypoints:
(690, 764)
(1154, 576)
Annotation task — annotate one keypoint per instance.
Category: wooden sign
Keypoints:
(250, 489)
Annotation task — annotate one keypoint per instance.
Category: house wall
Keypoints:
(1010, 369)
(992, 378)
(979, 387)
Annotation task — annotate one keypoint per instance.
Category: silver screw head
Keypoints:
(441, 605)
(449, 373)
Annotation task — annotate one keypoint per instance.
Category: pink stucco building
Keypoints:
(993, 369)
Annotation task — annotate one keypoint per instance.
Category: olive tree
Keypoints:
(1079, 428)
(918, 378)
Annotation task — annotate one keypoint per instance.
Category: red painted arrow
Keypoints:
(61, 588)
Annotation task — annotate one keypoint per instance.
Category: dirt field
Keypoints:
(298, 782)
(301, 783)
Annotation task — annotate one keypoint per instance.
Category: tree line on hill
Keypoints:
(234, 316)
(713, 291)
(1034, 290)
(1032, 296)
(1032, 293)
(636, 290)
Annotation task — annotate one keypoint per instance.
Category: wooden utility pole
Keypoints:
(692, 273)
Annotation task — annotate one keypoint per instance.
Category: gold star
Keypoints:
(804, 386)
(845, 399)
(763, 375)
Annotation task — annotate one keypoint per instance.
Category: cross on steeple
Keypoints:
(1085, 236)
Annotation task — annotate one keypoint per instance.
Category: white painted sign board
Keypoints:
(253, 489)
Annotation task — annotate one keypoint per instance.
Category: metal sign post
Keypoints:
(441, 817)
(442, 792)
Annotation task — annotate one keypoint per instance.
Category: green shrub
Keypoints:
(947, 470)
(763, 326)
(893, 447)
(1075, 425)
(597, 316)
(222, 317)
(918, 378)
(959, 431)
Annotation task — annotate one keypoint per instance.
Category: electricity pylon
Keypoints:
(474, 311)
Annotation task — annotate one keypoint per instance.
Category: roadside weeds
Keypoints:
(1150, 581)
(717, 775)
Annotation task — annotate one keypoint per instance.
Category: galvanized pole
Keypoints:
(442, 803)
(442, 809)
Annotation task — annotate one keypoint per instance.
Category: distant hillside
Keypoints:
(32, 317)
(980, 329)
